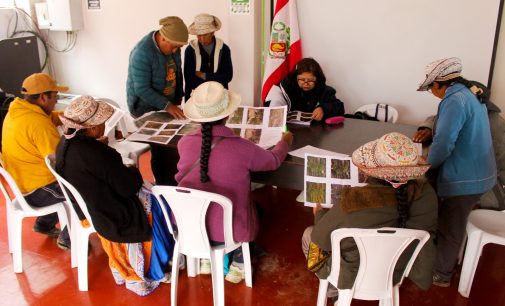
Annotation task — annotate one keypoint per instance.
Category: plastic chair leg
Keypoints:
(344, 297)
(74, 228)
(193, 266)
(396, 295)
(472, 254)
(321, 295)
(461, 253)
(17, 235)
(216, 261)
(10, 229)
(175, 275)
(247, 264)
(390, 300)
(82, 260)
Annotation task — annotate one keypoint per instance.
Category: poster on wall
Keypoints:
(240, 7)
(94, 5)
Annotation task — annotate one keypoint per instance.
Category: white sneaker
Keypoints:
(235, 274)
(205, 267)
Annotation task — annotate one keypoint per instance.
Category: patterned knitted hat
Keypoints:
(85, 112)
(174, 30)
(441, 70)
(204, 24)
(393, 158)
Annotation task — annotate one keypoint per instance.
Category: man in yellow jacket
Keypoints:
(29, 134)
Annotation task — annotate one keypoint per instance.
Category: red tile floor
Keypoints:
(279, 278)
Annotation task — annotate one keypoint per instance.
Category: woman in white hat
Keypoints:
(397, 195)
(214, 159)
(206, 58)
(461, 154)
(110, 191)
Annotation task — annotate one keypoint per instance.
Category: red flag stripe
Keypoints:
(281, 71)
(279, 5)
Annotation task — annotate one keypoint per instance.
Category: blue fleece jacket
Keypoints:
(462, 147)
(147, 72)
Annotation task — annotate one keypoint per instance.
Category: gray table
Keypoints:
(344, 138)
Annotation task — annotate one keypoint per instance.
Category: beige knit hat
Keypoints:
(204, 24)
(174, 30)
(441, 70)
(85, 112)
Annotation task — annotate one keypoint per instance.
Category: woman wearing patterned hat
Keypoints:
(214, 159)
(110, 190)
(206, 58)
(461, 154)
(397, 195)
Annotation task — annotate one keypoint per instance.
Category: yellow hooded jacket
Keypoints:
(28, 135)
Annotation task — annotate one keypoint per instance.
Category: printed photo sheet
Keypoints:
(298, 117)
(156, 132)
(326, 176)
(261, 125)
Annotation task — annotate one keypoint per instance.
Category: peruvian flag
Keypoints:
(285, 48)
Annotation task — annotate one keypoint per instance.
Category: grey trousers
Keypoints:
(332, 291)
(452, 218)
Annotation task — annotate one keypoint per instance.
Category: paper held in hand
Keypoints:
(325, 177)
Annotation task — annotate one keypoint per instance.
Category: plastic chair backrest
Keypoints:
(189, 207)
(18, 196)
(121, 125)
(66, 187)
(378, 110)
(379, 251)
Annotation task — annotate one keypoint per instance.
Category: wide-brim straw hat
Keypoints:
(441, 70)
(393, 158)
(211, 102)
(85, 112)
(204, 24)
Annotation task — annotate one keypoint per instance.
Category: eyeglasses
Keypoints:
(306, 81)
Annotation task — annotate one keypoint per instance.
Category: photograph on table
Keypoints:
(253, 135)
(153, 125)
(188, 128)
(167, 132)
(332, 173)
(160, 139)
(255, 116)
(159, 116)
(298, 117)
(157, 132)
(237, 116)
(277, 117)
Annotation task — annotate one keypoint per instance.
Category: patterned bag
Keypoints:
(316, 257)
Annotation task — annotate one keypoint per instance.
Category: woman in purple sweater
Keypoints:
(225, 161)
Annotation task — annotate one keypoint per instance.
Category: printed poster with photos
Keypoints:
(261, 125)
(298, 117)
(156, 132)
(326, 176)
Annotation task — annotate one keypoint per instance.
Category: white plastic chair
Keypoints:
(483, 227)
(379, 251)
(126, 148)
(79, 234)
(380, 110)
(189, 207)
(17, 210)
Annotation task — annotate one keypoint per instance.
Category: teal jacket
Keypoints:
(147, 74)
(462, 147)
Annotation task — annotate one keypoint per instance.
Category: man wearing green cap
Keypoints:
(29, 134)
(155, 83)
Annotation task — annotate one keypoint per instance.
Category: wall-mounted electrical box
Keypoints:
(59, 15)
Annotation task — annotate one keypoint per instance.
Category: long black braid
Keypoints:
(482, 95)
(403, 205)
(206, 148)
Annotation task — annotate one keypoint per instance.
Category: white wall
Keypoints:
(498, 83)
(376, 51)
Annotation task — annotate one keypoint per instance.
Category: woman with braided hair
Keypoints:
(397, 195)
(214, 159)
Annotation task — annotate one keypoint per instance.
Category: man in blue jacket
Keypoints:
(155, 83)
(461, 153)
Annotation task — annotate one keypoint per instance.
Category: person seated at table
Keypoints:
(121, 218)
(397, 195)
(214, 159)
(304, 89)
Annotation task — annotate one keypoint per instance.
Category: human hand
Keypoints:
(316, 208)
(200, 74)
(287, 137)
(423, 135)
(175, 111)
(318, 114)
